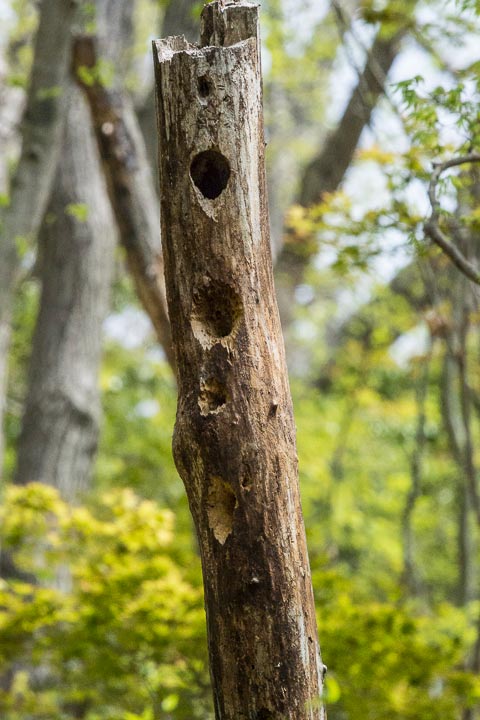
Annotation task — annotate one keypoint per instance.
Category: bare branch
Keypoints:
(432, 226)
(130, 188)
(327, 170)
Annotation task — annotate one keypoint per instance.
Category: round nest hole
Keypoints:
(204, 86)
(218, 309)
(213, 396)
(210, 171)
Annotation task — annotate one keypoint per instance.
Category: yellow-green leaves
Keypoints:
(125, 611)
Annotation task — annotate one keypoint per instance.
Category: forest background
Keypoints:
(101, 610)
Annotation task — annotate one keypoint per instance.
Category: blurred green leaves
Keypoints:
(124, 631)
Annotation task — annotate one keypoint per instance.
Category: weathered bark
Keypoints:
(234, 439)
(60, 426)
(131, 190)
(41, 135)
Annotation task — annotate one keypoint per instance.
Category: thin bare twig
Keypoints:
(432, 226)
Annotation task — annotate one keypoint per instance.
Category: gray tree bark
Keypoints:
(42, 129)
(234, 439)
(60, 425)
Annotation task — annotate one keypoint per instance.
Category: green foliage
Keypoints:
(430, 112)
(102, 73)
(87, 17)
(48, 93)
(79, 211)
(20, 46)
(139, 397)
(123, 637)
(24, 316)
(401, 664)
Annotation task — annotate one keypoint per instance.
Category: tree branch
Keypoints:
(130, 188)
(432, 226)
(327, 170)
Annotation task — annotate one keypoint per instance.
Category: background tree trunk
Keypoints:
(60, 425)
(234, 440)
(178, 20)
(42, 129)
(325, 173)
(131, 191)
(60, 429)
(410, 572)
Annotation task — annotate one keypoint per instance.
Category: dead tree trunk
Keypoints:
(234, 439)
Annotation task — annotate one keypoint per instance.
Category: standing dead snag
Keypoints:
(234, 439)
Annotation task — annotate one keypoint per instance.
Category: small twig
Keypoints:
(432, 227)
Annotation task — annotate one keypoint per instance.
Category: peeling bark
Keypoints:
(234, 439)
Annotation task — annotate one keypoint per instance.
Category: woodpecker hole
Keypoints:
(204, 86)
(212, 397)
(221, 504)
(246, 482)
(217, 310)
(210, 171)
(273, 410)
(264, 714)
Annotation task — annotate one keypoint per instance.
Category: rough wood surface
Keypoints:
(234, 439)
